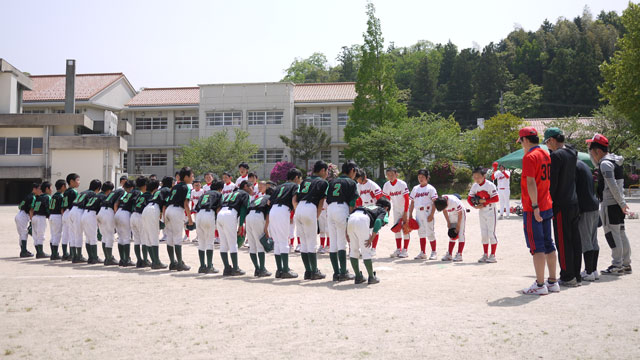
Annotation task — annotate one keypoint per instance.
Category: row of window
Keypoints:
(151, 123)
(151, 159)
(21, 146)
(41, 111)
(270, 156)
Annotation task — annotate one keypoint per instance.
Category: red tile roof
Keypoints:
(325, 92)
(51, 87)
(540, 124)
(166, 97)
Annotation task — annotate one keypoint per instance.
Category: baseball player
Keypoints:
(206, 210)
(92, 204)
(422, 196)
(196, 193)
(282, 202)
(243, 169)
(69, 196)
(152, 217)
(76, 212)
(455, 215)
(504, 190)
(362, 227)
(483, 196)
(140, 240)
(253, 179)
(178, 206)
(208, 181)
(397, 191)
(255, 223)
(39, 214)
(106, 220)
(229, 185)
(55, 218)
(230, 221)
(311, 196)
(323, 230)
(23, 218)
(341, 197)
(369, 192)
(122, 218)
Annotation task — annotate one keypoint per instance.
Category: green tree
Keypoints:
(621, 86)
(457, 101)
(497, 139)
(306, 142)
(314, 69)
(217, 153)
(489, 80)
(523, 98)
(348, 63)
(623, 140)
(424, 84)
(376, 103)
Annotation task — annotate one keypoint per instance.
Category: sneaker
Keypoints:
(420, 256)
(346, 277)
(374, 279)
(483, 259)
(433, 256)
(289, 275)
(588, 277)
(627, 269)
(318, 275)
(264, 273)
(185, 239)
(195, 241)
(297, 248)
(596, 273)
(403, 254)
(216, 241)
(237, 272)
(571, 283)
(373, 252)
(458, 258)
(321, 250)
(534, 289)
(202, 270)
(164, 238)
(492, 259)
(396, 253)
(182, 266)
(555, 287)
(612, 270)
(447, 257)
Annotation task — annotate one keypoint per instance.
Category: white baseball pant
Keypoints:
(205, 229)
(107, 226)
(151, 223)
(90, 226)
(136, 228)
(322, 224)
(427, 228)
(66, 227)
(38, 229)
(123, 226)
(337, 215)
(359, 232)
(174, 221)
(228, 230)
(488, 218)
(279, 224)
(76, 227)
(255, 230)
(55, 227)
(397, 215)
(504, 195)
(22, 225)
(306, 220)
(453, 220)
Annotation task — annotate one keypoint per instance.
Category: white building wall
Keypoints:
(21, 160)
(8, 93)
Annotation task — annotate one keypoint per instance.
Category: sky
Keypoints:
(185, 43)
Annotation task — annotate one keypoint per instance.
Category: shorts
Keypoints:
(538, 234)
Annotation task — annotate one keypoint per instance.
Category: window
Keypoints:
(59, 111)
(156, 123)
(124, 161)
(259, 117)
(21, 146)
(187, 122)
(317, 120)
(325, 155)
(12, 146)
(224, 118)
(36, 148)
(274, 155)
(2, 145)
(341, 157)
(151, 159)
(33, 111)
(342, 119)
(258, 157)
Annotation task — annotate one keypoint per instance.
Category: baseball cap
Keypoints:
(526, 131)
(599, 139)
(551, 132)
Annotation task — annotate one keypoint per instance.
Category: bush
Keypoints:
(280, 170)
(463, 175)
(442, 171)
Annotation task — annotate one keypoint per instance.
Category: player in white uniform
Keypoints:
(397, 191)
(456, 217)
(484, 196)
(422, 197)
(504, 192)
(369, 193)
(243, 169)
(323, 230)
(253, 179)
(196, 194)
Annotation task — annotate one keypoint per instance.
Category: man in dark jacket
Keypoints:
(588, 223)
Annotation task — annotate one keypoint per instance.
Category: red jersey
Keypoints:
(536, 164)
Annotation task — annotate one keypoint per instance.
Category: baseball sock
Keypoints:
(209, 259)
(291, 242)
(104, 246)
(64, 250)
(234, 260)
(433, 245)
(406, 243)
(186, 232)
(278, 262)
(298, 240)
(313, 262)
(107, 253)
(595, 259)
(305, 261)
(355, 266)
(86, 246)
(201, 256)
(178, 249)
(328, 242)
(423, 244)
(322, 241)
(170, 249)
(127, 252)
(369, 265)
(54, 249)
(342, 258)
(493, 248)
(254, 260)
(225, 259)
(261, 260)
(145, 252)
(452, 244)
(120, 252)
(136, 250)
(72, 252)
(460, 246)
(398, 243)
(334, 262)
(285, 262)
(374, 243)
(485, 247)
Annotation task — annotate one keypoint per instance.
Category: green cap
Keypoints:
(551, 132)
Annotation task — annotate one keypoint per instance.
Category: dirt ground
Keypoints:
(418, 310)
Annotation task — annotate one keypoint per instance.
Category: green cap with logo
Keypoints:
(551, 133)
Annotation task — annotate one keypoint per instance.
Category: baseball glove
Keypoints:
(476, 200)
(452, 233)
(161, 224)
(397, 227)
(30, 229)
(191, 227)
(413, 224)
(267, 243)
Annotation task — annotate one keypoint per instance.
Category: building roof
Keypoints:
(540, 124)
(52, 87)
(324, 92)
(166, 96)
(21, 77)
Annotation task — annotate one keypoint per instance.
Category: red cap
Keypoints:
(527, 131)
(599, 139)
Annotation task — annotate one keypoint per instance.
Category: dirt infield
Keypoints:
(418, 310)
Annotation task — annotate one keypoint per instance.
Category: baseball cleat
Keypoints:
(227, 271)
(433, 256)
(627, 269)
(182, 266)
(555, 287)
(483, 259)
(373, 252)
(297, 248)
(25, 254)
(139, 264)
(336, 277)
(318, 275)
(534, 289)
(346, 277)
(373, 279)
(403, 254)
(289, 274)
(54, 256)
(395, 253)
(458, 258)
(237, 272)
(278, 274)
(492, 259)
(212, 270)
(321, 250)
(447, 257)
(158, 266)
(359, 279)
(172, 266)
(420, 256)
(128, 263)
(110, 261)
(42, 255)
(588, 276)
(264, 273)
(612, 270)
(79, 259)
(202, 270)
(147, 263)
(216, 241)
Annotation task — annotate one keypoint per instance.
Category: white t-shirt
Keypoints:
(195, 197)
(454, 206)
(396, 193)
(485, 191)
(503, 179)
(240, 179)
(368, 192)
(228, 188)
(423, 196)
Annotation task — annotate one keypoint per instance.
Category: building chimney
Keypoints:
(70, 88)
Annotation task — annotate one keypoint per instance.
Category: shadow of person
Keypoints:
(520, 300)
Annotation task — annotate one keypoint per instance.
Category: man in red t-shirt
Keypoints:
(538, 212)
